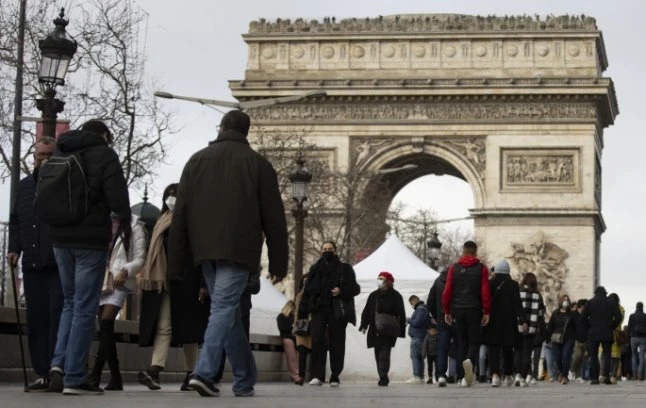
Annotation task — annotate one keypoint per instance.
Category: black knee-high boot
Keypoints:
(116, 382)
(99, 359)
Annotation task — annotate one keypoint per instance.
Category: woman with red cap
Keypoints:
(384, 317)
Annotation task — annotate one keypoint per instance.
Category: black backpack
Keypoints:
(62, 191)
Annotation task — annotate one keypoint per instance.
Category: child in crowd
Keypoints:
(429, 351)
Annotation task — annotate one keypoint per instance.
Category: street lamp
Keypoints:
(56, 50)
(300, 178)
(434, 245)
(244, 105)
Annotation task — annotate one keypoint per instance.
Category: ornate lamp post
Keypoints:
(56, 50)
(434, 245)
(300, 178)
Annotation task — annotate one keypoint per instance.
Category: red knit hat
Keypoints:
(388, 276)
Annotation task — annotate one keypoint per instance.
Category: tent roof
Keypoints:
(395, 257)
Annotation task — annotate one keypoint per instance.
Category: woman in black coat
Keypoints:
(506, 314)
(561, 331)
(328, 299)
(188, 315)
(384, 300)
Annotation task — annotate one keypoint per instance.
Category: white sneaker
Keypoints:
(335, 384)
(532, 381)
(464, 383)
(624, 378)
(495, 381)
(523, 383)
(415, 380)
(518, 380)
(316, 381)
(509, 381)
(579, 380)
(441, 382)
(467, 365)
(528, 380)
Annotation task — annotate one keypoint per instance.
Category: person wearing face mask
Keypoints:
(127, 257)
(561, 332)
(328, 298)
(384, 300)
(28, 236)
(172, 312)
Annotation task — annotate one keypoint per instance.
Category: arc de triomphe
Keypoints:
(515, 106)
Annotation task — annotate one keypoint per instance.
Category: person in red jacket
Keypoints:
(466, 301)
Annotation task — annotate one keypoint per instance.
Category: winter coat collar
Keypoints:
(231, 136)
(79, 139)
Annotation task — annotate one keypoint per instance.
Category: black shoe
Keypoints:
(607, 381)
(40, 385)
(56, 380)
(450, 380)
(116, 381)
(382, 383)
(84, 389)
(429, 381)
(185, 386)
(203, 387)
(482, 379)
(149, 379)
(334, 382)
(594, 382)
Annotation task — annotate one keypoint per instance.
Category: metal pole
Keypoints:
(4, 263)
(17, 106)
(51, 107)
(299, 215)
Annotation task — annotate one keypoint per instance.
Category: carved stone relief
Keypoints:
(543, 168)
(597, 181)
(426, 111)
(473, 149)
(547, 261)
(365, 148)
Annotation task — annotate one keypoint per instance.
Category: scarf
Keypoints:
(153, 275)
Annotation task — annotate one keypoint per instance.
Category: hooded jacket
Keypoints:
(132, 260)
(107, 191)
(419, 322)
(467, 286)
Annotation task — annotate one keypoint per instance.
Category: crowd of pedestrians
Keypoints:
(83, 252)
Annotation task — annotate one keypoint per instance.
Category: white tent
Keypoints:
(266, 306)
(412, 277)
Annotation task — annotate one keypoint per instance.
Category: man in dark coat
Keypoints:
(506, 314)
(384, 300)
(637, 332)
(601, 316)
(328, 297)
(466, 301)
(81, 251)
(446, 332)
(29, 236)
(228, 202)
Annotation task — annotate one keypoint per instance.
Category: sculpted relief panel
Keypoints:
(550, 170)
(423, 111)
(547, 261)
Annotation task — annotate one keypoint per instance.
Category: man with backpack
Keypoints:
(76, 191)
(28, 236)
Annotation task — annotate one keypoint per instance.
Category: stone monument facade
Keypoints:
(515, 106)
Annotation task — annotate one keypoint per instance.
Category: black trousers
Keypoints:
(431, 362)
(44, 296)
(593, 352)
(328, 333)
(467, 325)
(524, 350)
(246, 325)
(303, 353)
(382, 358)
(507, 354)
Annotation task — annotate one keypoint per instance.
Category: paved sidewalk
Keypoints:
(631, 394)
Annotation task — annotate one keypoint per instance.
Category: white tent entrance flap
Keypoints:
(412, 277)
(266, 306)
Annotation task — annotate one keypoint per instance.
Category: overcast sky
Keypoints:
(194, 47)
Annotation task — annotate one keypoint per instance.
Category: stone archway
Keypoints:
(516, 106)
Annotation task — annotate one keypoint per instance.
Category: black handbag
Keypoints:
(302, 327)
(386, 325)
(559, 338)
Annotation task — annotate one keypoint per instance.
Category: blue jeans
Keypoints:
(638, 348)
(550, 361)
(483, 369)
(416, 356)
(81, 272)
(562, 354)
(226, 282)
(446, 333)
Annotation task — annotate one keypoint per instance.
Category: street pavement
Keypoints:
(544, 395)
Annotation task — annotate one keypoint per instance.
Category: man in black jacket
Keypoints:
(228, 202)
(445, 332)
(81, 251)
(637, 331)
(601, 316)
(29, 236)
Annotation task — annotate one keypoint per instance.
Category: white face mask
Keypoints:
(380, 283)
(565, 304)
(170, 202)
